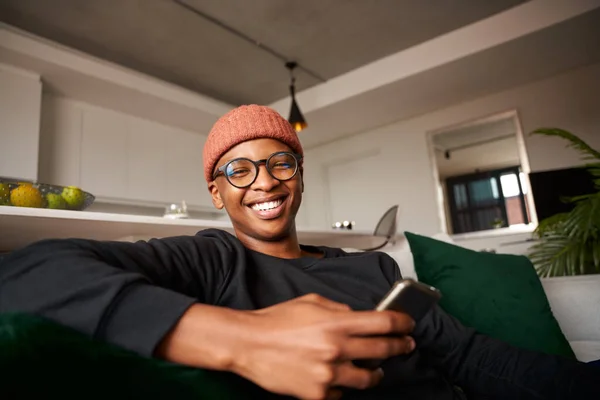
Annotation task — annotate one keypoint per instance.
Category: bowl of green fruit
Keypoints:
(18, 193)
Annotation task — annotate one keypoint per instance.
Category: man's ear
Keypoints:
(302, 178)
(216, 195)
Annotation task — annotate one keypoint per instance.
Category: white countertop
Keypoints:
(21, 226)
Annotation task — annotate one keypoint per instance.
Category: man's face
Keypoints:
(266, 209)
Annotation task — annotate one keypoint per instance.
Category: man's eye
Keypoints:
(282, 165)
(238, 172)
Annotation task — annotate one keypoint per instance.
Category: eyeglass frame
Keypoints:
(257, 164)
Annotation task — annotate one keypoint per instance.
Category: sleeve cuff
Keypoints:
(143, 317)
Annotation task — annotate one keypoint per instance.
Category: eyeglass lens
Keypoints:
(242, 172)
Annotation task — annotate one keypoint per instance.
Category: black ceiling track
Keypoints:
(248, 39)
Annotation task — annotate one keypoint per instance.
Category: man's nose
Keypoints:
(264, 181)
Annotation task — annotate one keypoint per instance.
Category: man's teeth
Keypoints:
(268, 205)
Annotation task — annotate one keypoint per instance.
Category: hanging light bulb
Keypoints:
(296, 118)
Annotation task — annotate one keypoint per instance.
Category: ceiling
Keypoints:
(481, 145)
(484, 157)
(528, 42)
(473, 133)
(570, 44)
(165, 40)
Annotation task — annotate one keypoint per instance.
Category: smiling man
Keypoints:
(239, 143)
(290, 318)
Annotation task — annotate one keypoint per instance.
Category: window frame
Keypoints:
(471, 209)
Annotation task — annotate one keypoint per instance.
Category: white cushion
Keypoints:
(574, 301)
(444, 237)
(403, 256)
(405, 262)
(400, 252)
(586, 350)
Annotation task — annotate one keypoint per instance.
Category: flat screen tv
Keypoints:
(548, 187)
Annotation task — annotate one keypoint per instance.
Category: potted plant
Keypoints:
(497, 223)
(569, 243)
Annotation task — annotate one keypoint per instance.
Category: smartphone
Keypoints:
(410, 297)
(407, 296)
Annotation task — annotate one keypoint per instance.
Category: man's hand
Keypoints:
(302, 348)
(305, 347)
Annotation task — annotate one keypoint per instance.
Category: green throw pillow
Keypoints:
(41, 359)
(500, 295)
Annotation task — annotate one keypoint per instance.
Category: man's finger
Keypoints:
(357, 348)
(376, 323)
(348, 375)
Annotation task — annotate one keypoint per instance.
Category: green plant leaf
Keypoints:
(545, 256)
(584, 149)
(561, 256)
(594, 170)
(569, 243)
(586, 152)
(550, 224)
(596, 257)
(584, 220)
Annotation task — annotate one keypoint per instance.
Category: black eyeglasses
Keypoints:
(242, 172)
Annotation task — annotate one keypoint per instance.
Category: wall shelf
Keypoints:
(22, 226)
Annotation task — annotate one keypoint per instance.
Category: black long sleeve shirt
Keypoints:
(132, 294)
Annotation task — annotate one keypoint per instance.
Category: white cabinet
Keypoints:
(146, 172)
(20, 96)
(119, 158)
(185, 171)
(165, 165)
(60, 143)
(104, 153)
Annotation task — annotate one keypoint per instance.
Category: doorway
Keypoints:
(482, 170)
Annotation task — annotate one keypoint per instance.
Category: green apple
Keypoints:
(4, 194)
(56, 201)
(74, 197)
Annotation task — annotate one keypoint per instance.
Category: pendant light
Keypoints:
(296, 118)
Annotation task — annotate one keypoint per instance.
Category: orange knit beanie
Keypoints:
(242, 124)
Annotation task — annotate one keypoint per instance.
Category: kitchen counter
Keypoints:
(22, 226)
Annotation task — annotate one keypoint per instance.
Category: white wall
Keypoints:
(391, 165)
(20, 98)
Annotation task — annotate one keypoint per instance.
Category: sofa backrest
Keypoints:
(574, 300)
